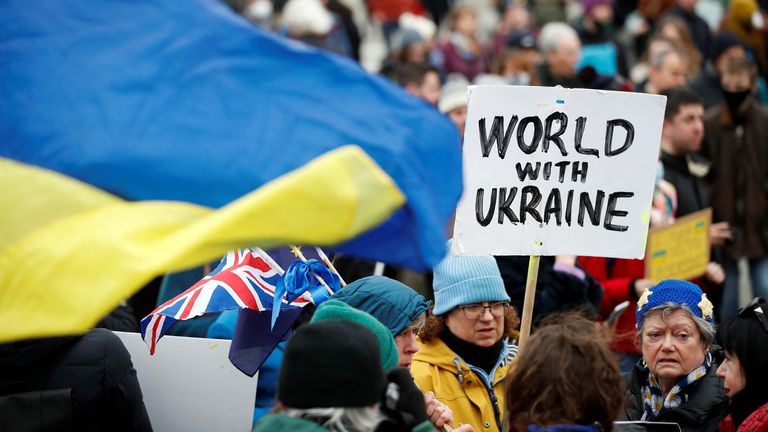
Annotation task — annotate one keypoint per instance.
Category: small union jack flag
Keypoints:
(243, 279)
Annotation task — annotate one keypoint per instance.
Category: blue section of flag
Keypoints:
(255, 337)
(185, 100)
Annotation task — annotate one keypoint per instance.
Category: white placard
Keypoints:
(594, 158)
(190, 385)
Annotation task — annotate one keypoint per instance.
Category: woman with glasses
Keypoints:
(744, 371)
(675, 380)
(465, 343)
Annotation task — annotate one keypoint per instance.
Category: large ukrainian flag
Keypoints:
(145, 136)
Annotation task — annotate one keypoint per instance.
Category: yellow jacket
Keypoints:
(464, 389)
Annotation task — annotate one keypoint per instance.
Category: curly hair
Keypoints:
(565, 375)
(434, 325)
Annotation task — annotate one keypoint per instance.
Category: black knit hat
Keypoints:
(722, 42)
(331, 363)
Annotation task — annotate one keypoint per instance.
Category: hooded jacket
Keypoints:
(473, 396)
(706, 407)
(392, 303)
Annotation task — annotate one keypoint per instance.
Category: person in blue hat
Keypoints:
(465, 348)
(676, 380)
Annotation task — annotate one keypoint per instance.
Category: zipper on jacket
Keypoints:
(488, 380)
(494, 401)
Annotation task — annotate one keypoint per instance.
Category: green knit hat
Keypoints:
(338, 310)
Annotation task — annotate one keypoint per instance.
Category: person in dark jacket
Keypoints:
(702, 35)
(96, 367)
(744, 340)
(675, 381)
(561, 286)
(735, 143)
(726, 46)
(561, 49)
(681, 137)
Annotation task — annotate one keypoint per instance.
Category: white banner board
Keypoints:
(190, 385)
(555, 171)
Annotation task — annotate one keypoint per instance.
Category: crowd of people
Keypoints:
(406, 352)
(378, 356)
(713, 154)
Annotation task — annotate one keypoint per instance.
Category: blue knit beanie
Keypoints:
(675, 291)
(460, 280)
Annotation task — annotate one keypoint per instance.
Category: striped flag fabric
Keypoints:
(108, 168)
(243, 280)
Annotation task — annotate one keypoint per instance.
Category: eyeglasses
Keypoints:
(476, 310)
(757, 309)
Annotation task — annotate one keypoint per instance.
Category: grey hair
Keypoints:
(552, 33)
(706, 329)
(657, 59)
(340, 419)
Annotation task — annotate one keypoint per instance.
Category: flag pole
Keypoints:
(530, 294)
(298, 253)
(330, 265)
(272, 263)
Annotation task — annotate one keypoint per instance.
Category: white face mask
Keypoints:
(259, 10)
(757, 20)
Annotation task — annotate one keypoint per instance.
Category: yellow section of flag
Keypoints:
(70, 253)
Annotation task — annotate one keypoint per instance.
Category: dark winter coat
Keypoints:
(691, 192)
(96, 367)
(700, 32)
(739, 177)
(556, 291)
(706, 407)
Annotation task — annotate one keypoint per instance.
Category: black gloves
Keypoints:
(402, 403)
